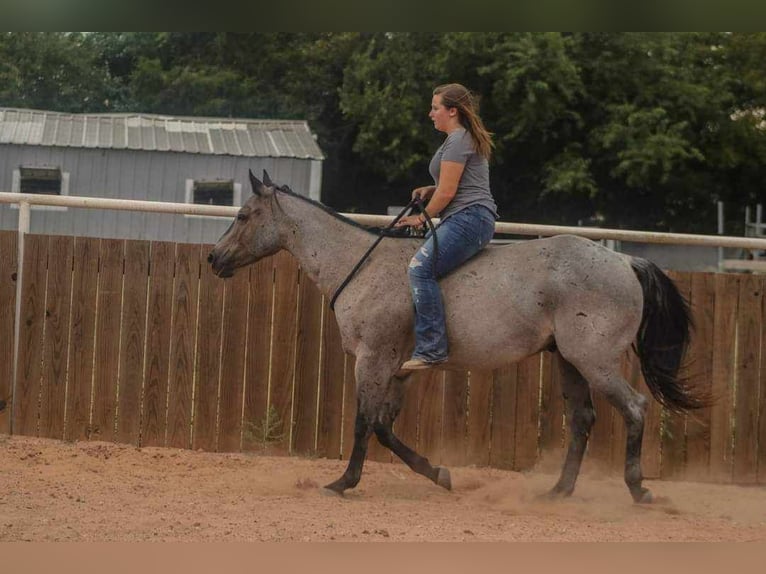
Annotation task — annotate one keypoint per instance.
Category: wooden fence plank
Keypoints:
(110, 278)
(182, 348)
(308, 348)
(257, 365)
(349, 406)
(527, 413)
(208, 357)
(725, 321)
(284, 332)
(552, 433)
(431, 412)
(619, 432)
(82, 338)
(651, 446)
(132, 340)
(762, 391)
(504, 390)
(674, 429)
(377, 451)
(700, 375)
(56, 339)
(746, 394)
(160, 313)
(8, 276)
(234, 348)
(600, 442)
(479, 431)
(330, 388)
(454, 424)
(29, 375)
(406, 424)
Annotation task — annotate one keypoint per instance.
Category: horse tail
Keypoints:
(663, 338)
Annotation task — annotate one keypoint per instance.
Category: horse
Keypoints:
(565, 294)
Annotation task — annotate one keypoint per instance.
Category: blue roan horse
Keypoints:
(565, 294)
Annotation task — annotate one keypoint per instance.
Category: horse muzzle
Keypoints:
(219, 265)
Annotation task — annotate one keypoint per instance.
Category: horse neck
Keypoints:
(325, 246)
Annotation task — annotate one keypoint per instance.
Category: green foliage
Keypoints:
(46, 70)
(267, 431)
(642, 130)
(386, 93)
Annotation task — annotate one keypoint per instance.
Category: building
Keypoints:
(147, 157)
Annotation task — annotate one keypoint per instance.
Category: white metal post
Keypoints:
(24, 219)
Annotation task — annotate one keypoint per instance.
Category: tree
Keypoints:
(52, 71)
(640, 130)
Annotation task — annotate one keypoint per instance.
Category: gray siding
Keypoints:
(145, 175)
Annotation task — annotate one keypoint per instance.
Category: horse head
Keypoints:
(252, 235)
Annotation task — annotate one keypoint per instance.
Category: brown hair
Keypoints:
(459, 97)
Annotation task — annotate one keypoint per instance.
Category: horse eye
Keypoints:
(241, 216)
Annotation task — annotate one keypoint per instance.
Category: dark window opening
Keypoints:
(214, 192)
(40, 180)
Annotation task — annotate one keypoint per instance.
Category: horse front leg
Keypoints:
(362, 433)
(372, 375)
(384, 430)
(377, 408)
(420, 464)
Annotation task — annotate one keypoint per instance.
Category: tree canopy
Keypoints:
(639, 130)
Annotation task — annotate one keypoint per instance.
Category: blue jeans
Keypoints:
(459, 237)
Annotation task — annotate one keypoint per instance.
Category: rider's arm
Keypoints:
(449, 177)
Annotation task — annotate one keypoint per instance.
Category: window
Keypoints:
(213, 192)
(42, 180)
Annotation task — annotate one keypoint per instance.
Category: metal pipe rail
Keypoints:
(382, 220)
(598, 233)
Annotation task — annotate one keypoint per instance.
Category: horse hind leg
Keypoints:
(580, 416)
(632, 406)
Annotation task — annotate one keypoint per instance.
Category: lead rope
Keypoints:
(415, 202)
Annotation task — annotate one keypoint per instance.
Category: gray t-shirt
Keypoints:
(473, 187)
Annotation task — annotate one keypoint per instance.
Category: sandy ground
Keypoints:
(54, 491)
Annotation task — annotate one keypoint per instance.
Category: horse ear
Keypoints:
(267, 180)
(255, 184)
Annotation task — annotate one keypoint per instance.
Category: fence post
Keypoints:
(24, 217)
(720, 232)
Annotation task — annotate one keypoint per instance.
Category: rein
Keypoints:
(416, 202)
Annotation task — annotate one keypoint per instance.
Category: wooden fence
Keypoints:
(137, 342)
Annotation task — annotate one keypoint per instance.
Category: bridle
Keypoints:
(387, 232)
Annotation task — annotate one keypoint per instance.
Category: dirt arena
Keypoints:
(54, 491)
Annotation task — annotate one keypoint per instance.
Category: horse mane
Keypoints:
(369, 229)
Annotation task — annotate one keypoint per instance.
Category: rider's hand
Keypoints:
(423, 193)
(410, 221)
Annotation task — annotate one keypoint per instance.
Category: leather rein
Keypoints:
(386, 232)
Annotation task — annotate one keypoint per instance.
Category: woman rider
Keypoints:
(461, 197)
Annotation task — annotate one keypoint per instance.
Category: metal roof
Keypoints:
(219, 136)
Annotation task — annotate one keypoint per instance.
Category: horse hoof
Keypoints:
(643, 497)
(553, 495)
(443, 478)
(327, 491)
(334, 488)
